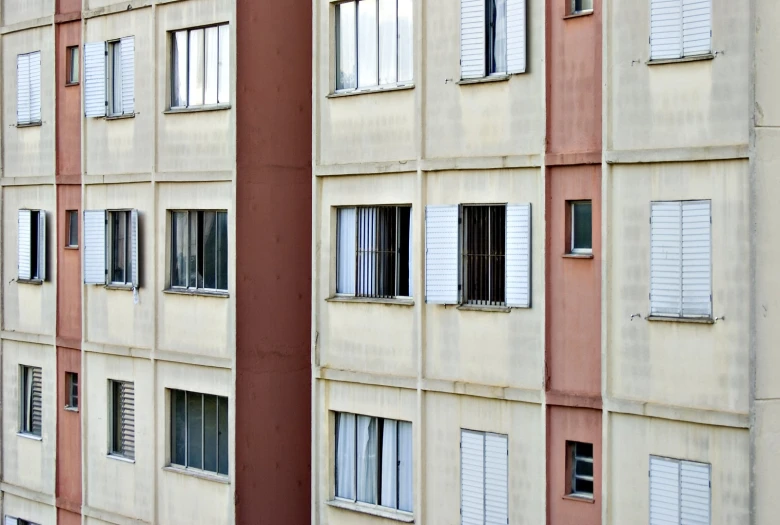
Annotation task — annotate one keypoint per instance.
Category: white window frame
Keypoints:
(11, 520)
(111, 215)
(582, 251)
(190, 258)
(70, 217)
(72, 65)
(172, 440)
(121, 412)
(586, 6)
(573, 458)
(222, 80)
(27, 400)
(114, 78)
(37, 240)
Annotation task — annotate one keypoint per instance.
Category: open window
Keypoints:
(31, 246)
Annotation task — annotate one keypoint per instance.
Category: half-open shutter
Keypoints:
(496, 480)
(134, 247)
(23, 89)
(696, 27)
(696, 259)
(518, 255)
(127, 409)
(472, 38)
(441, 254)
(35, 87)
(94, 247)
(472, 478)
(516, 36)
(24, 245)
(128, 75)
(694, 493)
(36, 402)
(666, 258)
(665, 29)
(664, 491)
(95, 79)
(41, 240)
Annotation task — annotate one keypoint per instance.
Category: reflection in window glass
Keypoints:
(345, 20)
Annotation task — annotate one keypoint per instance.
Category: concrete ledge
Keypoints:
(366, 168)
(24, 337)
(27, 181)
(572, 159)
(405, 301)
(27, 24)
(373, 510)
(123, 351)
(347, 376)
(638, 156)
(684, 414)
(28, 494)
(368, 91)
(566, 399)
(193, 176)
(482, 163)
(73, 344)
(193, 359)
(110, 517)
(118, 178)
(70, 506)
(127, 5)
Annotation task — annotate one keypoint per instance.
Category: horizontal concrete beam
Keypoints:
(641, 156)
(28, 494)
(27, 24)
(110, 517)
(23, 337)
(689, 415)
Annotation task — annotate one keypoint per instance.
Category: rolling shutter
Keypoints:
(696, 27)
(35, 87)
(441, 254)
(127, 418)
(23, 89)
(24, 245)
(666, 258)
(41, 240)
(134, 248)
(665, 29)
(95, 79)
(496, 480)
(94, 247)
(694, 493)
(128, 75)
(696, 259)
(518, 255)
(36, 402)
(472, 478)
(516, 35)
(664, 491)
(472, 38)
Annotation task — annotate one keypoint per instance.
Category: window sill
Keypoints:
(197, 109)
(399, 301)
(30, 124)
(200, 474)
(373, 510)
(202, 293)
(480, 308)
(71, 409)
(581, 499)
(482, 80)
(120, 287)
(71, 84)
(120, 117)
(695, 58)
(364, 91)
(695, 320)
(71, 247)
(120, 458)
(33, 437)
(36, 282)
(577, 256)
(579, 14)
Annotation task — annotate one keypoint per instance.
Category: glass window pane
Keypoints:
(193, 249)
(209, 250)
(388, 60)
(223, 95)
(584, 468)
(584, 450)
(582, 228)
(178, 427)
(210, 433)
(222, 250)
(179, 68)
(73, 65)
(194, 430)
(222, 437)
(347, 51)
(367, 459)
(118, 246)
(405, 41)
(497, 35)
(115, 101)
(345, 456)
(179, 226)
(583, 486)
(73, 228)
(211, 64)
(367, 43)
(196, 66)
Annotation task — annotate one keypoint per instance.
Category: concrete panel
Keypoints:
(28, 510)
(679, 364)
(767, 461)
(16, 11)
(633, 439)
(767, 70)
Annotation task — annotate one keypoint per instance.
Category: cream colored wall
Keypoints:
(680, 364)
(676, 105)
(28, 151)
(16, 11)
(28, 510)
(633, 439)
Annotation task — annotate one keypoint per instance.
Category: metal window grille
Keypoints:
(32, 403)
(582, 469)
(123, 419)
(484, 255)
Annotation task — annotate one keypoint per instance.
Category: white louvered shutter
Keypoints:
(35, 87)
(127, 415)
(472, 38)
(496, 480)
(665, 29)
(24, 245)
(94, 247)
(518, 255)
(128, 75)
(441, 254)
(23, 89)
(664, 491)
(694, 493)
(696, 259)
(41, 240)
(696, 27)
(95, 79)
(472, 478)
(666, 258)
(36, 402)
(134, 247)
(516, 36)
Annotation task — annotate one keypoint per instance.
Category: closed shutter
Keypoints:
(665, 258)
(127, 421)
(696, 259)
(664, 491)
(36, 402)
(23, 89)
(95, 79)
(694, 493)
(472, 478)
(472, 38)
(496, 480)
(24, 245)
(128, 75)
(35, 87)
(516, 36)
(518, 255)
(41, 240)
(94, 247)
(134, 247)
(441, 254)
(665, 29)
(696, 27)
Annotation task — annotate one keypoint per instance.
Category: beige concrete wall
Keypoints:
(633, 439)
(28, 510)
(679, 364)
(16, 11)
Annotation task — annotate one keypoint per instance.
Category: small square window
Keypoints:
(71, 390)
(72, 233)
(581, 227)
(579, 469)
(72, 66)
(577, 7)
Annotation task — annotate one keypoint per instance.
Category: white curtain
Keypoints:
(405, 492)
(367, 43)
(367, 461)
(500, 38)
(367, 251)
(389, 464)
(388, 41)
(345, 456)
(345, 263)
(411, 265)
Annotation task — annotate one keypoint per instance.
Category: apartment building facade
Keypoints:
(155, 340)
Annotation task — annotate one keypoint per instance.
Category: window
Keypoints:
(120, 259)
(374, 247)
(72, 233)
(374, 43)
(679, 492)
(374, 461)
(581, 227)
(72, 65)
(680, 259)
(199, 424)
(680, 28)
(484, 254)
(484, 478)
(111, 247)
(109, 78)
(579, 469)
(31, 245)
(200, 64)
(577, 7)
(199, 251)
(71, 390)
(10, 520)
(31, 402)
(492, 37)
(28, 88)
(122, 417)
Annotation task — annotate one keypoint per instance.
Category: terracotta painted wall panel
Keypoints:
(68, 6)
(65, 517)
(68, 434)
(68, 267)
(68, 106)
